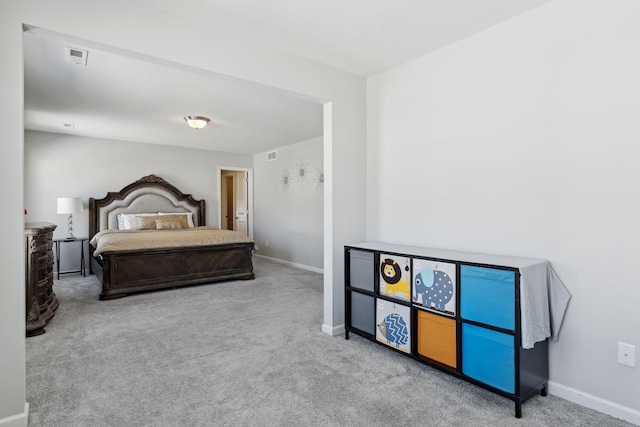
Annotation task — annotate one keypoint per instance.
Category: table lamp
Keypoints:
(69, 205)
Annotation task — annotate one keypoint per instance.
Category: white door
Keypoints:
(240, 199)
(234, 193)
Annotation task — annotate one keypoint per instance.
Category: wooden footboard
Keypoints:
(127, 272)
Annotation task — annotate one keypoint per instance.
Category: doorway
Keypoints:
(235, 192)
(228, 201)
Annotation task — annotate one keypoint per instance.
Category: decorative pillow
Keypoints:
(129, 222)
(120, 219)
(168, 225)
(149, 222)
(188, 215)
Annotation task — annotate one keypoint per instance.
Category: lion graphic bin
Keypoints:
(395, 275)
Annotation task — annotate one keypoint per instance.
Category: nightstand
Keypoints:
(57, 243)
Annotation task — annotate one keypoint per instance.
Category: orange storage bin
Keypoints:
(437, 338)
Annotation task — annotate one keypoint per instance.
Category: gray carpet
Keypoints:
(246, 353)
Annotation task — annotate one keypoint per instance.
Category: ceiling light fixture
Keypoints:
(196, 122)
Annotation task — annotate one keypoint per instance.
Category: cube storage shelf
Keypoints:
(454, 311)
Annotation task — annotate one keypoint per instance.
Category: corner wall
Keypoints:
(289, 215)
(523, 140)
(13, 407)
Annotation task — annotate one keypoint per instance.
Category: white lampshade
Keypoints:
(69, 205)
(196, 122)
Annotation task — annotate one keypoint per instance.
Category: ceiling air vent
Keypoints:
(76, 56)
(272, 155)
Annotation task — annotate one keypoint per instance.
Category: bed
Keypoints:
(132, 269)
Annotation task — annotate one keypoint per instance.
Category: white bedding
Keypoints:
(127, 240)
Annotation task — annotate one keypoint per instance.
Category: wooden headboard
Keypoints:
(148, 194)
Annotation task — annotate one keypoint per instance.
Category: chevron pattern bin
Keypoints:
(393, 325)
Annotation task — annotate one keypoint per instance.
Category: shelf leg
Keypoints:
(518, 409)
(543, 391)
(346, 335)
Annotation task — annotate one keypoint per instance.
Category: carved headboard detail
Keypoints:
(150, 193)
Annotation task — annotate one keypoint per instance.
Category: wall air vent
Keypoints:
(272, 155)
(76, 56)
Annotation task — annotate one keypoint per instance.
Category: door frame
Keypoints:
(249, 195)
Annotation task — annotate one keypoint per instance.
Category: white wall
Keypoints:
(150, 32)
(523, 140)
(12, 299)
(68, 166)
(290, 216)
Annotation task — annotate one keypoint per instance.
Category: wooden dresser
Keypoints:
(41, 302)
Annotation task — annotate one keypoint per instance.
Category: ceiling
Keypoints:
(116, 96)
(364, 37)
(124, 97)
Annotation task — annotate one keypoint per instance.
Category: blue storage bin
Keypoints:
(362, 270)
(487, 296)
(489, 357)
(363, 313)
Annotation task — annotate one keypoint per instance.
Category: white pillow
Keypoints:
(120, 220)
(188, 214)
(129, 220)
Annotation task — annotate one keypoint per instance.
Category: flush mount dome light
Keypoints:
(196, 122)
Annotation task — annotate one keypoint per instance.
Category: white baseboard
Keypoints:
(18, 420)
(333, 331)
(292, 264)
(595, 402)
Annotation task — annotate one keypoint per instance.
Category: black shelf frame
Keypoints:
(531, 365)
